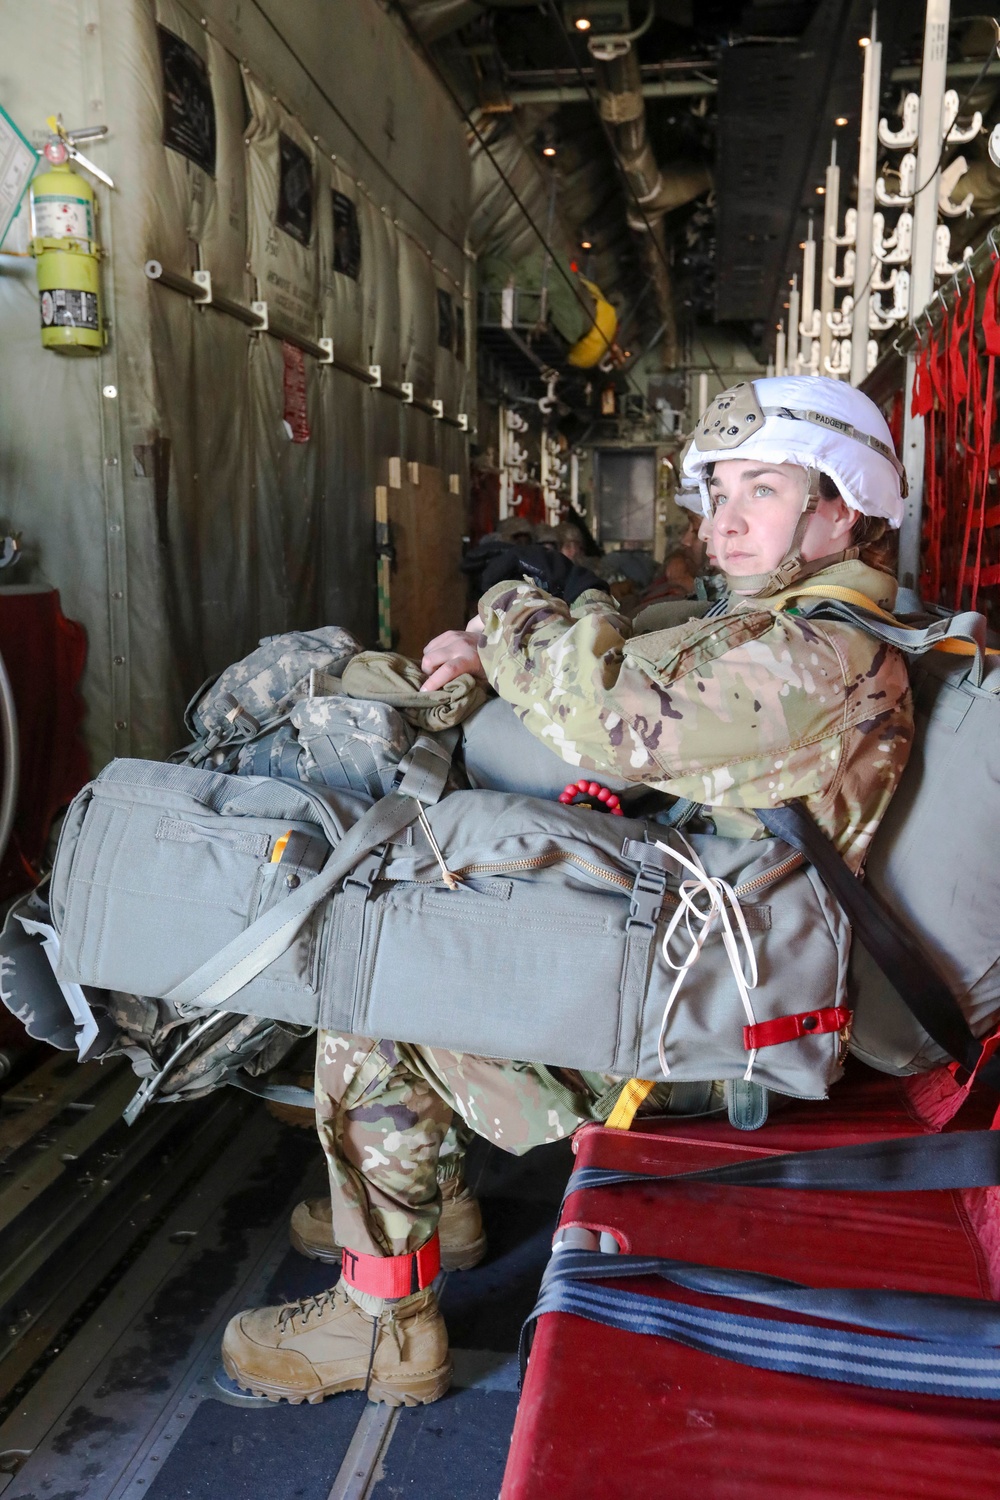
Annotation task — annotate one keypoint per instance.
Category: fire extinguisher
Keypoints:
(64, 244)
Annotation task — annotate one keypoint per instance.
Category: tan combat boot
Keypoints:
(463, 1240)
(325, 1344)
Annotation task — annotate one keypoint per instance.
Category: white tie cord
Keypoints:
(723, 906)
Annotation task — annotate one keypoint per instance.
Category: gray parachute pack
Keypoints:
(520, 928)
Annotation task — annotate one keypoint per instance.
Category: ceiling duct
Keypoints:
(654, 191)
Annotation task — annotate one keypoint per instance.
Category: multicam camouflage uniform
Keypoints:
(746, 710)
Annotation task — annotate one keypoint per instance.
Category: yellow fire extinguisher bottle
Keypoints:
(65, 248)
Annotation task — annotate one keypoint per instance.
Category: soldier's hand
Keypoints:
(448, 655)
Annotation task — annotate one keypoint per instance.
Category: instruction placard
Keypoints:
(17, 163)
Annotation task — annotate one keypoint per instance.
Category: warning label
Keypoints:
(63, 218)
(69, 310)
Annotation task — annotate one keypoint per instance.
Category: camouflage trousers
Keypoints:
(394, 1120)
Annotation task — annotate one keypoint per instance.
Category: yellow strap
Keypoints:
(279, 847)
(851, 596)
(631, 1096)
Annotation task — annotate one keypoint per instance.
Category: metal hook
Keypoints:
(991, 240)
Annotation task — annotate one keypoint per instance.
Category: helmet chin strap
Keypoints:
(792, 566)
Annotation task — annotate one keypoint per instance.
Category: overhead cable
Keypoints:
(432, 62)
(357, 136)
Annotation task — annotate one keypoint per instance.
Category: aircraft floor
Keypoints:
(123, 1401)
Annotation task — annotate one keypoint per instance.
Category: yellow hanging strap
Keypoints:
(631, 1096)
(861, 601)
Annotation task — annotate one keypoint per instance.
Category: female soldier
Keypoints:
(750, 706)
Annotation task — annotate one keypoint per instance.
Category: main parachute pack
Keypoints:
(389, 879)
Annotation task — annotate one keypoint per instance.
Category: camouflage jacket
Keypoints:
(746, 710)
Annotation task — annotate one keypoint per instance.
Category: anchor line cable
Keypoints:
(433, 64)
(616, 157)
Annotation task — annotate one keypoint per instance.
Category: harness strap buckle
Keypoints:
(646, 900)
(367, 871)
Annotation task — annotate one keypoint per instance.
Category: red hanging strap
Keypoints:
(987, 415)
(972, 440)
(922, 399)
(983, 478)
(933, 482)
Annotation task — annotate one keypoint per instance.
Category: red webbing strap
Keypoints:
(960, 322)
(790, 1028)
(972, 446)
(956, 385)
(991, 322)
(922, 400)
(983, 477)
(392, 1276)
(922, 405)
(932, 469)
(991, 345)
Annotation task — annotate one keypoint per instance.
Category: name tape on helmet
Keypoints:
(736, 415)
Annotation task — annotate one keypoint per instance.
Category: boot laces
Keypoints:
(301, 1311)
(394, 1328)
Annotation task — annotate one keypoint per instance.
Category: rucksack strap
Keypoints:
(424, 771)
(893, 947)
(275, 1093)
(958, 635)
(270, 935)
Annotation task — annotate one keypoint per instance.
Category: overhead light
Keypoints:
(599, 17)
(864, 41)
(840, 120)
(548, 150)
(821, 191)
(586, 245)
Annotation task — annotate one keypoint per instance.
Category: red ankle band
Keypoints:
(392, 1275)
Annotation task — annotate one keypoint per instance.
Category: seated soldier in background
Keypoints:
(690, 575)
(748, 707)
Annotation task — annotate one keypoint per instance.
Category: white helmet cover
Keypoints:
(811, 420)
(690, 499)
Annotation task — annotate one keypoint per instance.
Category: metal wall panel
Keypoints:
(177, 516)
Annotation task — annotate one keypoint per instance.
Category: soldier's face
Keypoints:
(756, 509)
